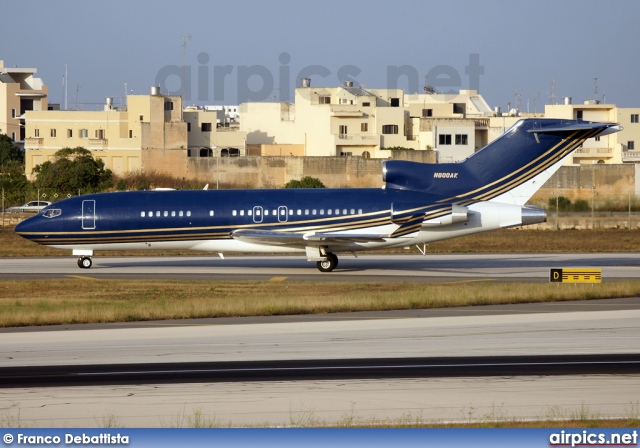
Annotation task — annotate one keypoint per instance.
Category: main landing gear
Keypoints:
(84, 262)
(329, 264)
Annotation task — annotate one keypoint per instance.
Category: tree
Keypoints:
(9, 152)
(305, 182)
(73, 169)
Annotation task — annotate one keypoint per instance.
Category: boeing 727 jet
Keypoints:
(419, 203)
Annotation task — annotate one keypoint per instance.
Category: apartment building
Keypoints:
(149, 133)
(209, 133)
(20, 91)
(329, 121)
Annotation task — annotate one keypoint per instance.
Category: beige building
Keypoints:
(149, 134)
(209, 134)
(351, 121)
(20, 91)
(338, 121)
(620, 147)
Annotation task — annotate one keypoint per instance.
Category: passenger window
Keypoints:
(321, 211)
(329, 212)
(173, 213)
(344, 211)
(299, 212)
(166, 213)
(234, 213)
(353, 211)
(210, 212)
(150, 214)
(249, 212)
(157, 213)
(313, 212)
(306, 212)
(142, 214)
(266, 213)
(337, 211)
(180, 213)
(241, 212)
(188, 213)
(360, 211)
(290, 212)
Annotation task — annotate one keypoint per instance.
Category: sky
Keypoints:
(513, 52)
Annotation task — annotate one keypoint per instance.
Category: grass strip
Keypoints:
(87, 300)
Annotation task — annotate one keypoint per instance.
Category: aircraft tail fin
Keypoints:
(510, 169)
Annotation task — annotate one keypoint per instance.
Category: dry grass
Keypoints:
(72, 301)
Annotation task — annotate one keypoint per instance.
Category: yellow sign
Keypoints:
(575, 275)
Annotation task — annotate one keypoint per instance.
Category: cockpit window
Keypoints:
(52, 213)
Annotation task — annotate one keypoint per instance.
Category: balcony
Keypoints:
(594, 152)
(631, 156)
(33, 142)
(97, 144)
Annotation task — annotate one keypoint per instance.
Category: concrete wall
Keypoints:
(612, 183)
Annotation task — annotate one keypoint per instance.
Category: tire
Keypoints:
(329, 264)
(84, 262)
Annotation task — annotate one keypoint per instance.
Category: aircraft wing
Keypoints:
(275, 238)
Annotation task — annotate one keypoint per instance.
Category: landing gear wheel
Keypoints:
(329, 264)
(84, 262)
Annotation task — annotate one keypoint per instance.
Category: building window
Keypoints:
(188, 127)
(84, 133)
(458, 108)
(444, 139)
(206, 127)
(99, 134)
(130, 133)
(366, 104)
(13, 113)
(461, 139)
(427, 112)
(343, 130)
(324, 100)
(37, 132)
(579, 115)
(634, 118)
(69, 133)
(53, 133)
(631, 145)
(141, 117)
(395, 102)
(168, 105)
(390, 129)
(364, 127)
(597, 138)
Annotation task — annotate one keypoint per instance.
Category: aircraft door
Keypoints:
(89, 214)
(283, 214)
(257, 214)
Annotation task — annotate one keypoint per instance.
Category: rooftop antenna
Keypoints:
(595, 88)
(535, 102)
(77, 90)
(185, 40)
(66, 86)
(518, 100)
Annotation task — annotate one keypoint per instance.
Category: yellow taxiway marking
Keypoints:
(82, 277)
(277, 279)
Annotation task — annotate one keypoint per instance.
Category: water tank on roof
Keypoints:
(348, 83)
(155, 90)
(306, 82)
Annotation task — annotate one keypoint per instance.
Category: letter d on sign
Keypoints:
(555, 275)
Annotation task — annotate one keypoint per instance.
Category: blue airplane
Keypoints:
(419, 203)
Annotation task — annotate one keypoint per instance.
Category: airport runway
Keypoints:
(592, 331)
(366, 268)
